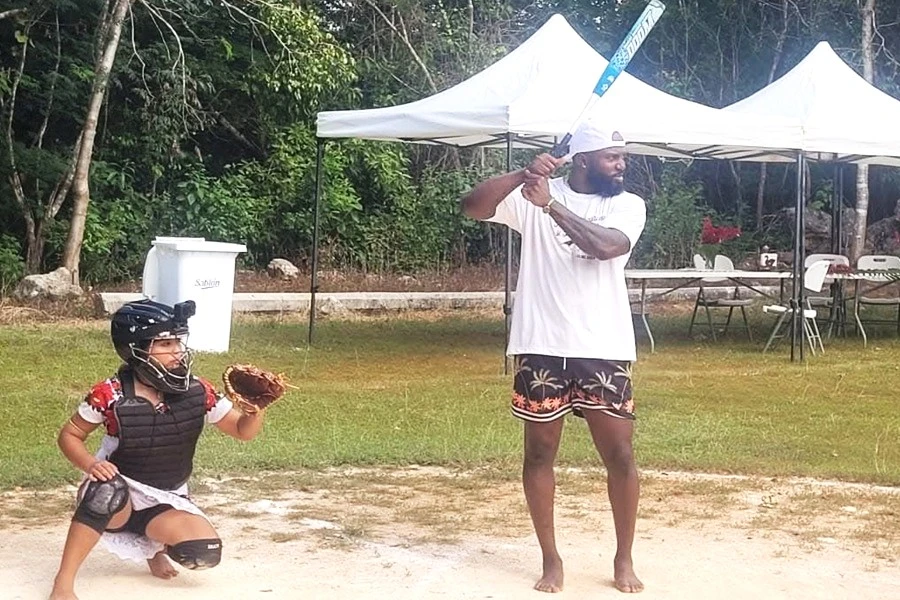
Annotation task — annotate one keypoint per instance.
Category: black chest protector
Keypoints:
(157, 448)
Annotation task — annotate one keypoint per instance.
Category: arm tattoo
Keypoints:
(595, 240)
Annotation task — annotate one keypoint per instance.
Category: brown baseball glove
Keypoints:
(252, 389)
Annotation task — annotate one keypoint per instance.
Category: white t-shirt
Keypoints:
(568, 303)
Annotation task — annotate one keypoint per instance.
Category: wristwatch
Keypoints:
(546, 207)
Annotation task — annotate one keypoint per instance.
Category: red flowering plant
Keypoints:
(712, 238)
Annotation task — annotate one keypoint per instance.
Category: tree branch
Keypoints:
(235, 132)
(136, 54)
(15, 179)
(63, 184)
(12, 13)
(102, 30)
(404, 37)
(178, 59)
(39, 141)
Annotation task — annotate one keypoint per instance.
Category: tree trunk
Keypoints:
(763, 170)
(33, 247)
(81, 177)
(858, 240)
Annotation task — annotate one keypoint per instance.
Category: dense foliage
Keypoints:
(207, 127)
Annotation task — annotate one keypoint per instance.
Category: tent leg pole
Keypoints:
(797, 333)
(836, 212)
(314, 275)
(842, 242)
(507, 293)
(801, 273)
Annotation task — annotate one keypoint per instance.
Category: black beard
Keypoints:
(603, 185)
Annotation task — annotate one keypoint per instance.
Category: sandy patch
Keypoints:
(435, 533)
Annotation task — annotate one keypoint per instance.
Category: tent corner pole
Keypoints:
(314, 263)
(798, 336)
(836, 205)
(507, 278)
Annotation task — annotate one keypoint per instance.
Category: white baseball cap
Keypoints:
(590, 137)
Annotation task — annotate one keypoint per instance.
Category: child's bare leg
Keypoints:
(79, 543)
(161, 567)
(82, 538)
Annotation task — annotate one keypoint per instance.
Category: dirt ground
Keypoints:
(424, 532)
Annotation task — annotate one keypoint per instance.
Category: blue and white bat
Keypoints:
(623, 55)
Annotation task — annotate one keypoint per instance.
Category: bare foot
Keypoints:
(62, 594)
(161, 567)
(626, 580)
(552, 579)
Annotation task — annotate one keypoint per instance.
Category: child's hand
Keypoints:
(102, 470)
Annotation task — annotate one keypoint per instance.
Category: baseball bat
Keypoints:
(623, 55)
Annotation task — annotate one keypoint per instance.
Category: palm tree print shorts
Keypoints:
(546, 388)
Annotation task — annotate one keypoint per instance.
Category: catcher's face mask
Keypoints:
(165, 363)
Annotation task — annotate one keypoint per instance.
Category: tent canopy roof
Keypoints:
(535, 95)
(843, 117)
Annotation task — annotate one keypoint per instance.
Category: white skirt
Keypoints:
(131, 546)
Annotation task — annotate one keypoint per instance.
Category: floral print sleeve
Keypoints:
(217, 405)
(98, 403)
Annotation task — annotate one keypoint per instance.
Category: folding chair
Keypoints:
(700, 263)
(722, 263)
(834, 259)
(834, 302)
(875, 262)
(813, 280)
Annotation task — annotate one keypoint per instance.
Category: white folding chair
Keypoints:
(813, 280)
(836, 313)
(834, 259)
(700, 263)
(875, 262)
(722, 263)
(831, 259)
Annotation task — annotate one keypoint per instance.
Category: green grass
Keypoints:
(403, 391)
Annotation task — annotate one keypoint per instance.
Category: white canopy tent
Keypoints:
(531, 96)
(842, 116)
(538, 89)
(843, 119)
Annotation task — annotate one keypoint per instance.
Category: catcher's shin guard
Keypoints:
(100, 502)
(196, 554)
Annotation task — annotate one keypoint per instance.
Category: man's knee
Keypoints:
(100, 502)
(540, 456)
(619, 457)
(196, 554)
(540, 451)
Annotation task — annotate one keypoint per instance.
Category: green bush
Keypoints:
(12, 265)
(425, 227)
(674, 216)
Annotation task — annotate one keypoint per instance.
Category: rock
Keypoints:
(818, 228)
(331, 307)
(56, 285)
(883, 237)
(282, 269)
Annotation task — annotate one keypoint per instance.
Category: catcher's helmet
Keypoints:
(137, 324)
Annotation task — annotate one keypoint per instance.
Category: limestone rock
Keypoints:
(56, 285)
(282, 269)
(331, 307)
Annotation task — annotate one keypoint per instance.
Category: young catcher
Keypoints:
(134, 495)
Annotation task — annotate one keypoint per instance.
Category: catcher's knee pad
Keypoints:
(100, 502)
(196, 554)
